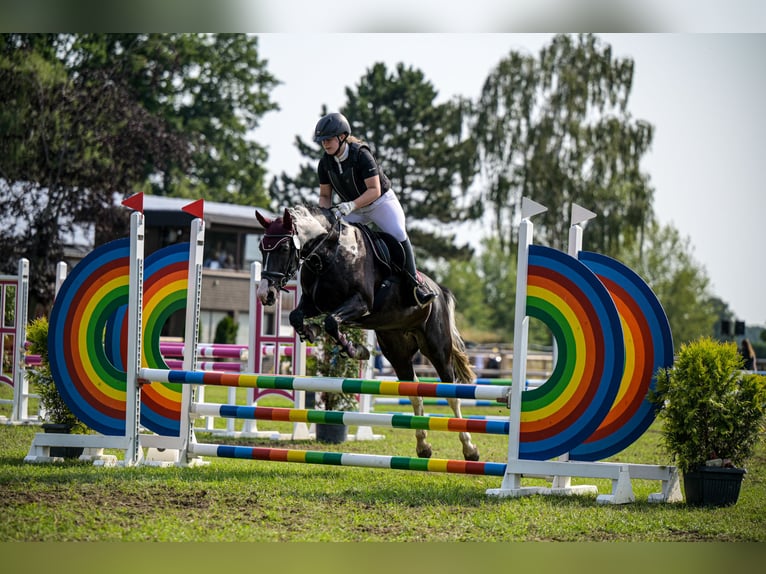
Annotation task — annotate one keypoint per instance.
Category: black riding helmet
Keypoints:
(330, 126)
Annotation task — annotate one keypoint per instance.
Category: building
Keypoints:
(232, 237)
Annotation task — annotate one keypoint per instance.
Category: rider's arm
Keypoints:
(372, 192)
(325, 195)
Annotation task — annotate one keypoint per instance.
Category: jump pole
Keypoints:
(351, 459)
(392, 420)
(327, 384)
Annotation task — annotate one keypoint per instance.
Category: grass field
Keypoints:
(236, 500)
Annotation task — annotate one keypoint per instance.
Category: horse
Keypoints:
(345, 275)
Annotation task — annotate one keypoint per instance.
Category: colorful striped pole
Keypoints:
(328, 384)
(350, 459)
(435, 402)
(403, 421)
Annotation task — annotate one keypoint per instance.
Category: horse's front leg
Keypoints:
(304, 310)
(353, 308)
(470, 451)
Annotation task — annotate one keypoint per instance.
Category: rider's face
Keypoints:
(331, 145)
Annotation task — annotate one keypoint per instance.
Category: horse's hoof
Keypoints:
(362, 354)
(425, 453)
(474, 456)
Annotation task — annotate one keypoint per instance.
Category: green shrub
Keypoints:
(332, 363)
(708, 407)
(55, 409)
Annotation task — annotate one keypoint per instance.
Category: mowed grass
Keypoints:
(239, 500)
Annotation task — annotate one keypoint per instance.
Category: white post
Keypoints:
(61, 272)
(191, 332)
(253, 339)
(579, 215)
(301, 431)
(133, 452)
(20, 409)
(512, 480)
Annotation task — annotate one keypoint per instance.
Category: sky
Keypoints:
(702, 92)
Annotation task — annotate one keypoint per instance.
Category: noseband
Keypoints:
(269, 243)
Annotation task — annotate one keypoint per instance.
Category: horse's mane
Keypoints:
(309, 222)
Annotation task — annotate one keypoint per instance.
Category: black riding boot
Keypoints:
(421, 293)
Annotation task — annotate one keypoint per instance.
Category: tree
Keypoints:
(681, 285)
(557, 130)
(226, 331)
(85, 117)
(422, 147)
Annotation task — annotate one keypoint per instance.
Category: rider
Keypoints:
(349, 168)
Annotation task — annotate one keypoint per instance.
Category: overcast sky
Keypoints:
(702, 92)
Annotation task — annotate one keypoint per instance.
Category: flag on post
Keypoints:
(135, 202)
(196, 209)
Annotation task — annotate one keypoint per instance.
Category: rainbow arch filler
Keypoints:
(570, 300)
(611, 334)
(88, 336)
(648, 347)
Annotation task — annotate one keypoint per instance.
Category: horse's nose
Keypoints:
(265, 293)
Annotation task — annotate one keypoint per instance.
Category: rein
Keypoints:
(281, 279)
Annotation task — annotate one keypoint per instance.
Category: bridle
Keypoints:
(294, 260)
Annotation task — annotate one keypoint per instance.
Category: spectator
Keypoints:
(748, 353)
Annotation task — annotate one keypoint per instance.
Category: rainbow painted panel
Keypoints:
(571, 301)
(165, 283)
(88, 336)
(648, 347)
(166, 278)
(90, 384)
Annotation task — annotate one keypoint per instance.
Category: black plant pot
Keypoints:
(713, 486)
(62, 451)
(331, 434)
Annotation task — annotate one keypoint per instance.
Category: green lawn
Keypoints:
(237, 500)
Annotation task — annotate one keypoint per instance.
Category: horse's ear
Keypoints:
(262, 219)
(287, 220)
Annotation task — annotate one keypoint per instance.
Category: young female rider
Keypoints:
(348, 168)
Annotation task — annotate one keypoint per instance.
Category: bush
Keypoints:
(332, 363)
(55, 409)
(709, 408)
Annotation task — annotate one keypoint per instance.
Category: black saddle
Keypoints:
(387, 250)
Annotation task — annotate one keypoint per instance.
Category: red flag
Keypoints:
(135, 202)
(197, 208)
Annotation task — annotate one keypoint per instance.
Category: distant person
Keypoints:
(748, 353)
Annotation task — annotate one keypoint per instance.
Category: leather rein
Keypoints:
(295, 260)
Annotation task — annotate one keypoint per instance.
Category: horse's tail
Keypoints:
(460, 363)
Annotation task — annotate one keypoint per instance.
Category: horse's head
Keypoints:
(280, 251)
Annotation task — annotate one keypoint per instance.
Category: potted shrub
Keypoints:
(332, 363)
(712, 416)
(57, 416)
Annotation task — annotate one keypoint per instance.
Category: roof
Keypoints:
(167, 211)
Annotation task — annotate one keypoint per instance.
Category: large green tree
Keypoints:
(86, 116)
(667, 264)
(423, 147)
(557, 129)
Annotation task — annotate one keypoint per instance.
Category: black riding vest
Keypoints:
(349, 184)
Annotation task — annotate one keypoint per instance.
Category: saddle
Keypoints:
(387, 250)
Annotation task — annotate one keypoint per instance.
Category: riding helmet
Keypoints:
(330, 126)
